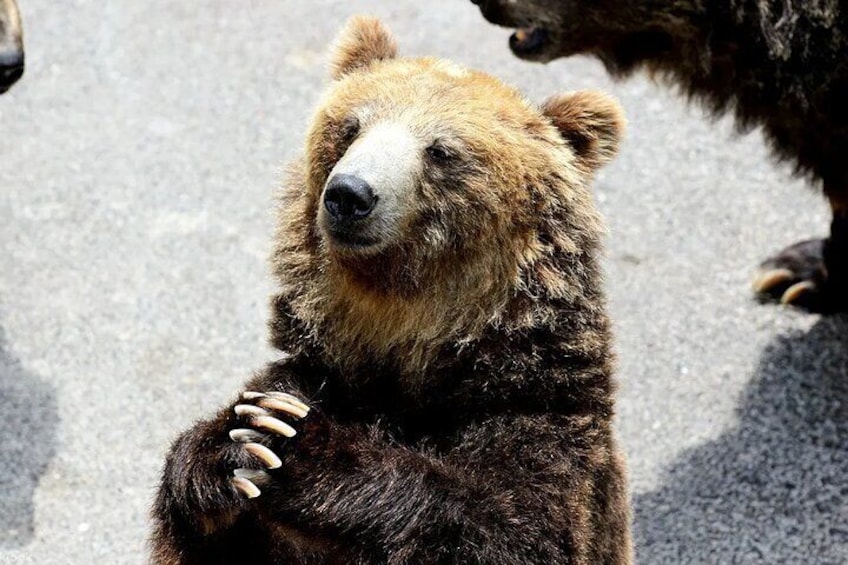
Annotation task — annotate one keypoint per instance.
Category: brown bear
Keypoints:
(448, 394)
(779, 65)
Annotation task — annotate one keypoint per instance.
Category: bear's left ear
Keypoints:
(592, 123)
(362, 41)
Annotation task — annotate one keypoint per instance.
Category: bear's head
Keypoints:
(621, 34)
(434, 202)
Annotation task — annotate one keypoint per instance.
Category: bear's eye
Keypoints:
(439, 153)
(349, 129)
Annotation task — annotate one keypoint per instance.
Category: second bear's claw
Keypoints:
(795, 292)
(769, 279)
(774, 280)
(798, 276)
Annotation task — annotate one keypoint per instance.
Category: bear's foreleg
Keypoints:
(213, 471)
(517, 490)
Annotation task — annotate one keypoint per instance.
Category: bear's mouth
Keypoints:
(529, 42)
(352, 241)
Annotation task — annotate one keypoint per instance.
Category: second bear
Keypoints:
(779, 65)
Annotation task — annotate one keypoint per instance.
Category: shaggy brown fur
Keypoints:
(778, 64)
(459, 376)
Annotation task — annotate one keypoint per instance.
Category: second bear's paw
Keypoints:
(265, 415)
(797, 276)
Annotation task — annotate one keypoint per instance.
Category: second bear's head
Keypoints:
(428, 190)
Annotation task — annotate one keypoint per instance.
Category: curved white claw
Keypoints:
(245, 435)
(268, 457)
(283, 406)
(249, 410)
(771, 278)
(285, 397)
(796, 290)
(246, 487)
(254, 475)
(274, 425)
(290, 398)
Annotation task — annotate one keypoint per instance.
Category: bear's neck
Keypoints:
(555, 316)
(371, 316)
(541, 352)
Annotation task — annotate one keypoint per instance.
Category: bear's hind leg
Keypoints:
(812, 274)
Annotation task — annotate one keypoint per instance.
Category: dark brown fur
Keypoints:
(460, 379)
(782, 65)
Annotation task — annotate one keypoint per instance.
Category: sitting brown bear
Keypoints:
(448, 394)
(781, 65)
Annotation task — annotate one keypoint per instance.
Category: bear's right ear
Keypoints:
(592, 123)
(362, 41)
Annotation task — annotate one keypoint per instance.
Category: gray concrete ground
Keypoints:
(137, 162)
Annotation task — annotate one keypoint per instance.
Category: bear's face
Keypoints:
(421, 158)
(429, 188)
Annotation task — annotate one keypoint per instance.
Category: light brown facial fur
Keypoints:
(475, 187)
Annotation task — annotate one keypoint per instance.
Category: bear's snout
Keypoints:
(11, 69)
(11, 45)
(495, 13)
(348, 198)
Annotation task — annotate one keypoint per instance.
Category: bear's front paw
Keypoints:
(264, 415)
(798, 276)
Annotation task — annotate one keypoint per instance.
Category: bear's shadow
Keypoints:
(28, 425)
(774, 489)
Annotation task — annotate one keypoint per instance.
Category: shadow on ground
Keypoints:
(775, 488)
(28, 418)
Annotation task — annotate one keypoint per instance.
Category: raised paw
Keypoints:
(798, 276)
(264, 415)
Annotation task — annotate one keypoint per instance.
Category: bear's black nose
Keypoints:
(11, 69)
(348, 198)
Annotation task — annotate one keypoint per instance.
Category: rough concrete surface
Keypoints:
(138, 159)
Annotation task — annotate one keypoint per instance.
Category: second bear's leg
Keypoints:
(812, 274)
